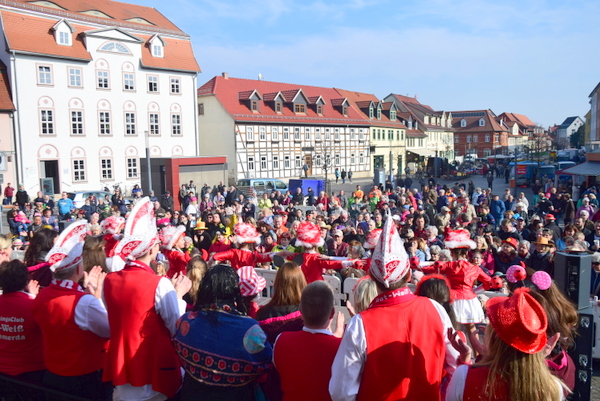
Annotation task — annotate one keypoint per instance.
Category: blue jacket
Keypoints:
(497, 209)
(65, 206)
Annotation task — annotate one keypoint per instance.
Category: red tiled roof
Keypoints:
(413, 133)
(120, 13)
(289, 95)
(338, 101)
(269, 97)
(5, 97)
(491, 125)
(178, 55)
(364, 104)
(226, 90)
(315, 99)
(363, 101)
(33, 35)
(520, 118)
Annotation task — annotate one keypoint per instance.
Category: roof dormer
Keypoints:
(481, 122)
(276, 100)
(463, 123)
(341, 104)
(317, 103)
(251, 98)
(63, 33)
(157, 46)
(296, 99)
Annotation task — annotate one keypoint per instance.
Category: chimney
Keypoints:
(225, 75)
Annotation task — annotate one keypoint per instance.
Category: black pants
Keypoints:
(21, 392)
(88, 386)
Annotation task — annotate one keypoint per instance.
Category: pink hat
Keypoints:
(250, 282)
(309, 235)
(112, 224)
(245, 233)
(140, 234)
(68, 249)
(516, 273)
(542, 280)
(459, 239)
(169, 235)
(389, 261)
(372, 239)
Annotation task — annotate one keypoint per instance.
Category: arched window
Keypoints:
(114, 47)
(463, 123)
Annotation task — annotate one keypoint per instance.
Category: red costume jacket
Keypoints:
(241, 257)
(313, 267)
(177, 261)
(461, 274)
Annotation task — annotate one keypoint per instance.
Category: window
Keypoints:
(469, 138)
(318, 160)
(481, 122)
(44, 75)
(327, 134)
(352, 158)
(496, 137)
(102, 79)
(307, 134)
(298, 162)
(286, 134)
(463, 123)
(455, 139)
(379, 134)
(487, 138)
(263, 163)
(371, 112)
(128, 81)
(286, 162)
(201, 109)
(106, 169)
(275, 133)
(76, 122)
(275, 162)
(487, 152)
(390, 135)
(157, 50)
(361, 158)
(277, 107)
(175, 124)
(175, 86)
(336, 134)
(475, 138)
(351, 134)
(254, 105)
(47, 122)
(75, 77)
(379, 114)
(64, 38)
(251, 163)
(336, 159)
(249, 133)
(114, 47)
(263, 133)
(296, 134)
(320, 109)
(345, 110)
(153, 83)
(132, 168)
(393, 115)
(299, 108)
(130, 124)
(79, 170)
(104, 122)
(154, 124)
(360, 134)
(317, 134)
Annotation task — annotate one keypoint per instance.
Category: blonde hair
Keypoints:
(5, 243)
(196, 269)
(526, 376)
(366, 291)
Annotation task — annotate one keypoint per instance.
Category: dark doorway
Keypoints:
(49, 169)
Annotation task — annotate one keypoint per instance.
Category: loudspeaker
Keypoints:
(62, 224)
(573, 275)
(582, 356)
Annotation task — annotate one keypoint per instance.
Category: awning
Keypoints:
(424, 152)
(587, 168)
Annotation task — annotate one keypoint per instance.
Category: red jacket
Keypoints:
(177, 261)
(240, 258)
(313, 267)
(462, 275)
(140, 351)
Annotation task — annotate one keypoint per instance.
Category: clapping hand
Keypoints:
(182, 284)
(459, 345)
(93, 281)
(33, 288)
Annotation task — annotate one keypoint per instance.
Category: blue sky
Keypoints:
(533, 57)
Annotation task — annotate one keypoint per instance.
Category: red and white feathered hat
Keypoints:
(372, 239)
(309, 235)
(250, 282)
(112, 224)
(68, 249)
(140, 234)
(390, 261)
(245, 232)
(169, 235)
(459, 239)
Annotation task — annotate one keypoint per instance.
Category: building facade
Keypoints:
(271, 130)
(7, 147)
(594, 124)
(566, 129)
(91, 87)
(479, 133)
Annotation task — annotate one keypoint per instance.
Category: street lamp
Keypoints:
(147, 137)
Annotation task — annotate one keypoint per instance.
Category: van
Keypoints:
(256, 187)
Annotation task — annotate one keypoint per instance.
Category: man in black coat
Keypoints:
(22, 197)
(298, 197)
(166, 201)
(551, 225)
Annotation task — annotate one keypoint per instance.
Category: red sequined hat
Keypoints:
(309, 235)
(372, 239)
(459, 239)
(519, 320)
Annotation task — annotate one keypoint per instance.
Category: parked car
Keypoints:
(255, 187)
(79, 197)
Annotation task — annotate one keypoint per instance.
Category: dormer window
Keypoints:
(463, 123)
(320, 109)
(254, 105)
(345, 110)
(157, 50)
(64, 38)
(481, 122)
(392, 115)
(299, 108)
(371, 112)
(278, 107)
(63, 33)
(379, 114)
(157, 45)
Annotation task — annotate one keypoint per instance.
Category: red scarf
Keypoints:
(392, 298)
(135, 264)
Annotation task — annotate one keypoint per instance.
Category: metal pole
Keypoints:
(435, 172)
(147, 137)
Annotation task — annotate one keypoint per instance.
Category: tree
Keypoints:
(577, 140)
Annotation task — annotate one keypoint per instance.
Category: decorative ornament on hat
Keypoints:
(390, 261)
(111, 224)
(250, 283)
(309, 235)
(140, 233)
(459, 239)
(68, 249)
(372, 238)
(542, 280)
(516, 273)
(245, 233)
(519, 320)
(169, 235)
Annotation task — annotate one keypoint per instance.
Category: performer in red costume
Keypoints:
(74, 323)
(112, 227)
(246, 236)
(398, 347)
(172, 241)
(142, 310)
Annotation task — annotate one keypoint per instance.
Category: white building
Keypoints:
(89, 84)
